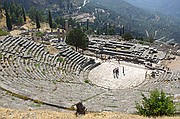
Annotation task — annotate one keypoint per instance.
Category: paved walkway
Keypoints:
(103, 75)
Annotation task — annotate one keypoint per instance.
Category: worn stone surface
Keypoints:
(27, 69)
(103, 75)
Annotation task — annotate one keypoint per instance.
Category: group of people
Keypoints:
(116, 72)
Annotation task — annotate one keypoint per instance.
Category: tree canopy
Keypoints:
(77, 38)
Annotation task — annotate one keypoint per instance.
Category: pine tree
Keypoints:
(37, 22)
(8, 21)
(50, 20)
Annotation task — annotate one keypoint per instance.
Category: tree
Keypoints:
(72, 22)
(87, 24)
(50, 21)
(5, 6)
(158, 104)
(8, 21)
(32, 14)
(111, 31)
(123, 30)
(54, 25)
(37, 22)
(60, 21)
(127, 36)
(151, 39)
(13, 18)
(24, 15)
(77, 38)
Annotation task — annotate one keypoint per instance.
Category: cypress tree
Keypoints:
(24, 15)
(78, 25)
(5, 6)
(123, 30)
(87, 24)
(106, 27)
(50, 20)
(8, 21)
(37, 21)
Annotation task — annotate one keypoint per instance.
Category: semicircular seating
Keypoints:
(28, 69)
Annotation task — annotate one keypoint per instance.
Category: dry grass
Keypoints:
(3, 20)
(174, 64)
(46, 114)
(52, 50)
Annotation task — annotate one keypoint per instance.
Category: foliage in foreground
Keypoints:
(158, 104)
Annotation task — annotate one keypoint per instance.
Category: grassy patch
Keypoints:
(43, 73)
(3, 33)
(59, 69)
(60, 59)
(12, 98)
(54, 82)
(28, 70)
(37, 65)
(36, 105)
(0, 55)
(39, 34)
(113, 106)
(46, 43)
(143, 42)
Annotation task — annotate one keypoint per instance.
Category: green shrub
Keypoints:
(158, 104)
(86, 81)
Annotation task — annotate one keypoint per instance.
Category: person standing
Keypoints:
(114, 73)
(123, 71)
(117, 72)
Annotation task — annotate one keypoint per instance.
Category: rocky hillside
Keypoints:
(169, 7)
(139, 22)
(49, 4)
